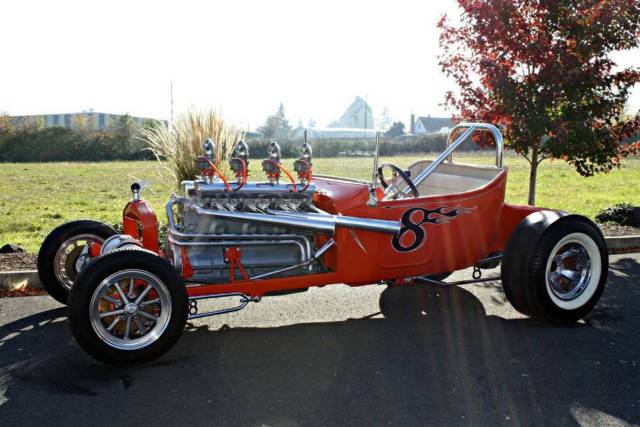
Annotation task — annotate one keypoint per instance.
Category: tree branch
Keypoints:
(526, 158)
(543, 157)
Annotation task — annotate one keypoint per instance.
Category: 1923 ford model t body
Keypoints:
(128, 300)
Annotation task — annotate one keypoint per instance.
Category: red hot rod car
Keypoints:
(128, 299)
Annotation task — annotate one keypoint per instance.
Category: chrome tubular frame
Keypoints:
(452, 146)
(497, 136)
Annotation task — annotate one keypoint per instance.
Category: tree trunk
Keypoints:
(533, 173)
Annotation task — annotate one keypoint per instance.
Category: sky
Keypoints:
(243, 57)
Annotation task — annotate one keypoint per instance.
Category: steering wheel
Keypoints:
(402, 174)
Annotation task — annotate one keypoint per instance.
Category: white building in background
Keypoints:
(357, 116)
(356, 122)
(334, 133)
(424, 125)
(85, 119)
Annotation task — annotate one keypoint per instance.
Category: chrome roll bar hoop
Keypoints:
(452, 146)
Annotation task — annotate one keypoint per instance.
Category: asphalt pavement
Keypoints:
(332, 356)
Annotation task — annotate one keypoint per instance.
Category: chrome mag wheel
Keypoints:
(573, 271)
(69, 258)
(130, 309)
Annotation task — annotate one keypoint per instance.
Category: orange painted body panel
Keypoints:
(440, 233)
(140, 222)
(456, 242)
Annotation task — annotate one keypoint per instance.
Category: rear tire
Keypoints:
(60, 251)
(128, 307)
(555, 267)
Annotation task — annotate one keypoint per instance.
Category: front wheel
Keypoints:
(128, 307)
(555, 268)
(61, 255)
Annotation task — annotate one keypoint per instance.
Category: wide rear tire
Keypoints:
(59, 253)
(555, 267)
(128, 307)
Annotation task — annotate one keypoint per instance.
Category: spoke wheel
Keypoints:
(64, 252)
(130, 309)
(69, 258)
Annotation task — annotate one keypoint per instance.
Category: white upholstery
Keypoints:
(450, 178)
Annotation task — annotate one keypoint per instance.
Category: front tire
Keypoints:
(128, 307)
(560, 272)
(60, 251)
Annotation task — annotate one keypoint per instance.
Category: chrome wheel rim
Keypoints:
(573, 271)
(570, 271)
(130, 309)
(65, 262)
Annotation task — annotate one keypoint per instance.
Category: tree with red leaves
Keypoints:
(542, 71)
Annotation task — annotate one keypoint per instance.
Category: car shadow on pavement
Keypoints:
(435, 358)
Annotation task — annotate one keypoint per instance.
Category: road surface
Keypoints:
(330, 356)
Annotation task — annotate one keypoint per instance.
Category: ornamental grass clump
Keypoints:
(177, 145)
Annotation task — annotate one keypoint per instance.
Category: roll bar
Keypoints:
(447, 154)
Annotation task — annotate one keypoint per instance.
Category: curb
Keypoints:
(16, 280)
(616, 243)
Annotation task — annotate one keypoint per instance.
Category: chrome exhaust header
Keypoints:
(322, 223)
(377, 225)
(285, 221)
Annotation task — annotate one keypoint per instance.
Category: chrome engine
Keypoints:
(252, 230)
(206, 239)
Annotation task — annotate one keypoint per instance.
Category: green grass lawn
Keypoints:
(35, 197)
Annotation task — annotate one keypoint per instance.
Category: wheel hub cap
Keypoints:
(570, 271)
(131, 309)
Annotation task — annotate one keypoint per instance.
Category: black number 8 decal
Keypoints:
(409, 226)
(416, 227)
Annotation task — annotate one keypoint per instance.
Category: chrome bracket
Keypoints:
(426, 279)
(193, 304)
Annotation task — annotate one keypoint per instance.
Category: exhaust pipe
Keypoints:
(378, 225)
(322, 223)
(285, 221)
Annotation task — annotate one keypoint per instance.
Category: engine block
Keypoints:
(253, 229)
(205, 240)
(215, 249)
